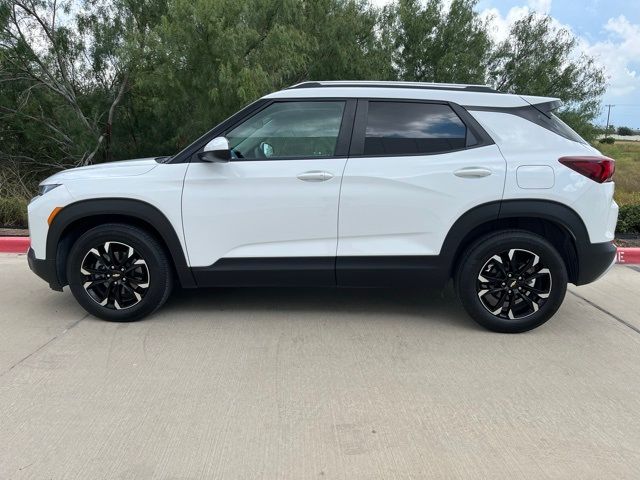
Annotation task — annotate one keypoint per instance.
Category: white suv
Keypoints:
(348, 184)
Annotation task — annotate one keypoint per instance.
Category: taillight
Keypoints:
(598, 169)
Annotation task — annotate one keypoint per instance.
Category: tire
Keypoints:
(499, 298)
(119, 273)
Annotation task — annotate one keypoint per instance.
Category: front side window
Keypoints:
(289, 130)
(409, 128)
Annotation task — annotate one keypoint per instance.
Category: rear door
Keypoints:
(414, 168)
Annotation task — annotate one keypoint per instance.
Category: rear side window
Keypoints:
(409, 128)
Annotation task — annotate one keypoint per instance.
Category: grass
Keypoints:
(13, 212)
(627, 176)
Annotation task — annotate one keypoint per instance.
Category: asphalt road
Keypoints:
(324, 384)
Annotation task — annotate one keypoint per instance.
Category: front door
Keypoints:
(270, 215)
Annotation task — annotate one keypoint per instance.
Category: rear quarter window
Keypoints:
(558, 126)
(549, 121)
(539, 115)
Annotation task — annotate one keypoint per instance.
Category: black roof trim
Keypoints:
(435, 86)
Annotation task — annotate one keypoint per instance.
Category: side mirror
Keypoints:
(217, 150)
(267, 150)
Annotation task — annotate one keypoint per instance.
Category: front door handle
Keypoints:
(473, 172)
(315, 176)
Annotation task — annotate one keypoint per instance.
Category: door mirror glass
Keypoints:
(267, 149)
(217, 150)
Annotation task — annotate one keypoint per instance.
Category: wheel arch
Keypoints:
(76, 218)
(558, 223)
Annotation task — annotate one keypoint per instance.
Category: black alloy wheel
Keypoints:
(119, 272)
(514, 284)
(115, 275)
(511, 281)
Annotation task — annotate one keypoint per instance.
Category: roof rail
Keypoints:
(385, 84)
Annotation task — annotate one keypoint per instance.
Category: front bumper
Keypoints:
(594, 260)
(45, 269)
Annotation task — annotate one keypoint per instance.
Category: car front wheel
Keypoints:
(119, 272)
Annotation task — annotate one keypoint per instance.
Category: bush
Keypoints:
(625, 131)
(609, 140)
(13, 212)
(629, 219)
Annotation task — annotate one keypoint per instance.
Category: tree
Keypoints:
(118, 40)
(208, 58)
(434, 45)
(47, 63)
(85, 81)
(539, 58)
(344, 41)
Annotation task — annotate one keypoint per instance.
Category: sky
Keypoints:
(608, 30)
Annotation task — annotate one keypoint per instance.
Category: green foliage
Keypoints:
(609, 140)
(13, 212)
(539, 59)
(626, 131)
(434, 45)
(627, 176)
(209, 58)
(629, 219)
(96, 80)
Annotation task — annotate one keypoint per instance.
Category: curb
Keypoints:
(14, 244)
(625, 255)
(628, 255)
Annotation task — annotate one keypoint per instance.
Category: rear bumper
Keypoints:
(44, 269)
(594, 260)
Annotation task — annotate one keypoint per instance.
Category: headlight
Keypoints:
(42, 189)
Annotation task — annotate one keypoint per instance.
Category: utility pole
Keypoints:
(606, 130)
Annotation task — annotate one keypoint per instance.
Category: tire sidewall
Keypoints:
(143, 244)
(482, 252)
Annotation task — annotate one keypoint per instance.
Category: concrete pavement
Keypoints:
(335, 384)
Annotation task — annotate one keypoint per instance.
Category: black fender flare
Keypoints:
(555, 212)
(484, 214)
(117, 207)
(493, 212)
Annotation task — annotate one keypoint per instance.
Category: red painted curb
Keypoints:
(628, 255)
(625, 256)
(14, 244)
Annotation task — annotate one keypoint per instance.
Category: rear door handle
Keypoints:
(472, 172)
(315, 176)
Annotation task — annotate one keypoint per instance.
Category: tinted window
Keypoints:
(545, 119)
(289, 129)
(558, 126)
(404, 128)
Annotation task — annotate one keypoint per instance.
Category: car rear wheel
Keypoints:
(119, 273)
(511, 281)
